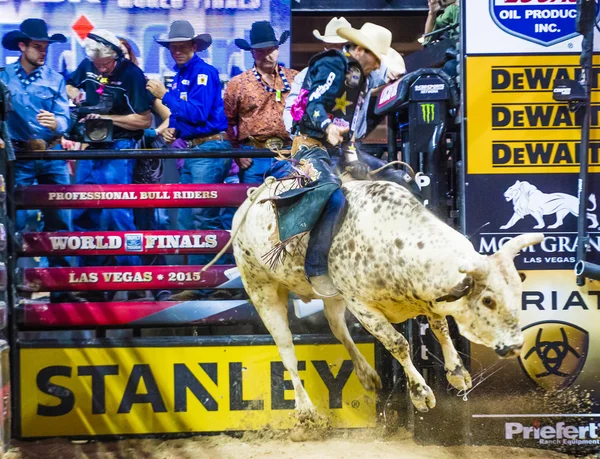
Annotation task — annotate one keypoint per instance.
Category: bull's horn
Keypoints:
(515, 245)
(477, 268)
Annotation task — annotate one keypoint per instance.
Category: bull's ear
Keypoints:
(463, 288)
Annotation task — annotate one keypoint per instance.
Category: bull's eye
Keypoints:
(522, 276)
(489, 302)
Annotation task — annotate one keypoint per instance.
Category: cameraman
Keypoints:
(118, 87)
(39, 118)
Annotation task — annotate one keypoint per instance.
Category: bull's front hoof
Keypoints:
(422, 397)
(310, 426)
(459, 378)
(369, 378)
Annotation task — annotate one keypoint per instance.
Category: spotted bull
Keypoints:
(391, 260)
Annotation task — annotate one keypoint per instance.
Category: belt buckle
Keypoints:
(274, 143)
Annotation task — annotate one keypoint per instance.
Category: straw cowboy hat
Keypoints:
(395, 62)
(30, 29)
(330, 35)
(181, 31)
(375, 38)
(262, 35)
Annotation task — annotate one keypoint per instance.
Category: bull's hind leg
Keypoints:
(334, 311)
(378, 325)
(456, 373)
(271, 302)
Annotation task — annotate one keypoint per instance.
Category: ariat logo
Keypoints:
(428, 113)
(554, 353)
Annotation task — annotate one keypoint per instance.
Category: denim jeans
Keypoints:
(26, 173)
(321, 236)
(256, 172)
(204, 170)
(104, 172)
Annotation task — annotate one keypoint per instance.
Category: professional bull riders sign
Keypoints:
(522, 154)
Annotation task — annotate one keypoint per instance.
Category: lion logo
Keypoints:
(528, 200)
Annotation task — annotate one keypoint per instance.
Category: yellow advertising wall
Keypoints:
(144, 390)
(513, 124)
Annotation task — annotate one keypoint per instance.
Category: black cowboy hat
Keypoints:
(30, 29)
(181, 31)
(262, 35)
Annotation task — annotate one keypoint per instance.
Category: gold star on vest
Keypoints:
(316, 114)
(341, 103)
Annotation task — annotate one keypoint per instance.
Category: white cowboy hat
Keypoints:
(330, 35)
(375, 38)
(395, 62)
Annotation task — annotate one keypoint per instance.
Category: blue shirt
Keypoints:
(42, 89)
(195, 100)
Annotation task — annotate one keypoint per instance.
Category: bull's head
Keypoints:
(487, 301)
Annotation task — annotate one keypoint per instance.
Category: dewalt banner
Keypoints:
(513, 124)
(146, 390)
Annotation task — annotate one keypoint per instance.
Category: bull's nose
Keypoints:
(509, 352)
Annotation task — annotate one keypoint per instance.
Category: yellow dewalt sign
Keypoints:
(513, 123)
(143, 390)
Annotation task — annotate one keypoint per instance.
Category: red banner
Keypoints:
(122, 278)
(139, 313)
(123, 243)
(129, 196)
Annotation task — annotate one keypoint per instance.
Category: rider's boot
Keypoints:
(323, 286)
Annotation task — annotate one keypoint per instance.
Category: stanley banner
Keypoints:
(86, 391)
(514, 125)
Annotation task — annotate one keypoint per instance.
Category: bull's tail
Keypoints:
(592, 199)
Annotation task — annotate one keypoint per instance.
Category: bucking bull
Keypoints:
(391, 260)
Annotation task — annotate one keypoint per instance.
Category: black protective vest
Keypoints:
(346, 106)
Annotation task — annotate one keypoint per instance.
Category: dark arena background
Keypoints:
(497, 155)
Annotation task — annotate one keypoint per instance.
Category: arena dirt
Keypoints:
(268, 444)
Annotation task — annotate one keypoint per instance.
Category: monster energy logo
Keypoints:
(428, 113)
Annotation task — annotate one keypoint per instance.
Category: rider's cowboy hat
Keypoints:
(394, 61)
(370, 36)
(330, 35)
(262, 35)
(30, 29)
(181, 31)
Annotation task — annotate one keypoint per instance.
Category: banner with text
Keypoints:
(545, 398)
(515, 126)
(139, 21)
(149, 390)
(500, 207)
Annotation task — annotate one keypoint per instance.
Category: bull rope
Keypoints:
(253, 193)
(410, 169)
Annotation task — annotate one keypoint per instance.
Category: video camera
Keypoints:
(92, 130)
